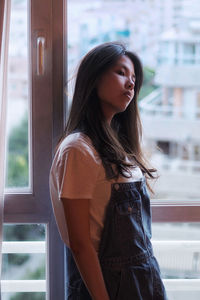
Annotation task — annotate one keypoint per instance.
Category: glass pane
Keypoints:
(158, 32)
(24, 262)
(177, 248)
(18, 98)
(102, 21)
(24, 296)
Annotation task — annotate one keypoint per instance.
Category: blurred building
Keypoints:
(18, 67)
(137, 23)
(171, 115)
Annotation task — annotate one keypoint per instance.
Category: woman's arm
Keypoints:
(77, 218)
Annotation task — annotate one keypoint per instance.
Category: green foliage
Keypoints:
(22, 232)
(12, 260)
(28, 296)
(17, 168)
(38, 274)
(17, 259)
(148, 83)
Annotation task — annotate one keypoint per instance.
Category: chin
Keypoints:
(121, 110)
(124, 107)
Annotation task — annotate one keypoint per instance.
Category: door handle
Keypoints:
(40, 55)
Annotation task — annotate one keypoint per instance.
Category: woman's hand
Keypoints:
(77, 219)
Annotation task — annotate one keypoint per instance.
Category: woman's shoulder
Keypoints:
(78, 142)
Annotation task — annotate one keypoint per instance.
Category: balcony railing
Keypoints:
(152, 106)
(184, 59)
(20, 286)
(9, 286)
(181, 256)
(180, 166)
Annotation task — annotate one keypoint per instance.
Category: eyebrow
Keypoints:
(123, 66)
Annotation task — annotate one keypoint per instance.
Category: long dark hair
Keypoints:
(122, 139)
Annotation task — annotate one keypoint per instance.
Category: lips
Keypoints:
(128, 95)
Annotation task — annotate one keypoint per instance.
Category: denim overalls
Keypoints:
(130, 270)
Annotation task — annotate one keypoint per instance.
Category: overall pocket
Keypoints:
(130, 203)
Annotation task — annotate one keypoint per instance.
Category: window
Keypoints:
(24, 262)
(35, 80)
(176, 246)
(189, 50)
(168, 102)
(18, 99)
(166, 118)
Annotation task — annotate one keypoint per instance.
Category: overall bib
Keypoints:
(129, 267)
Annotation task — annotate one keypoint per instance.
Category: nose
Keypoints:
(130, 84)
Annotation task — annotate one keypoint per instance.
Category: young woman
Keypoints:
(98, 184)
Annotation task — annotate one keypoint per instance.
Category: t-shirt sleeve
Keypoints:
(78, 173)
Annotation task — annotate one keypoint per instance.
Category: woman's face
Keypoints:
(115, 88)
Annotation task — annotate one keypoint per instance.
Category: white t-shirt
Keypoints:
(77, 173)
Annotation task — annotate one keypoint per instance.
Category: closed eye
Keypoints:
(120, 72)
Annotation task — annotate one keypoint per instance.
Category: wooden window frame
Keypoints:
(47, 124)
